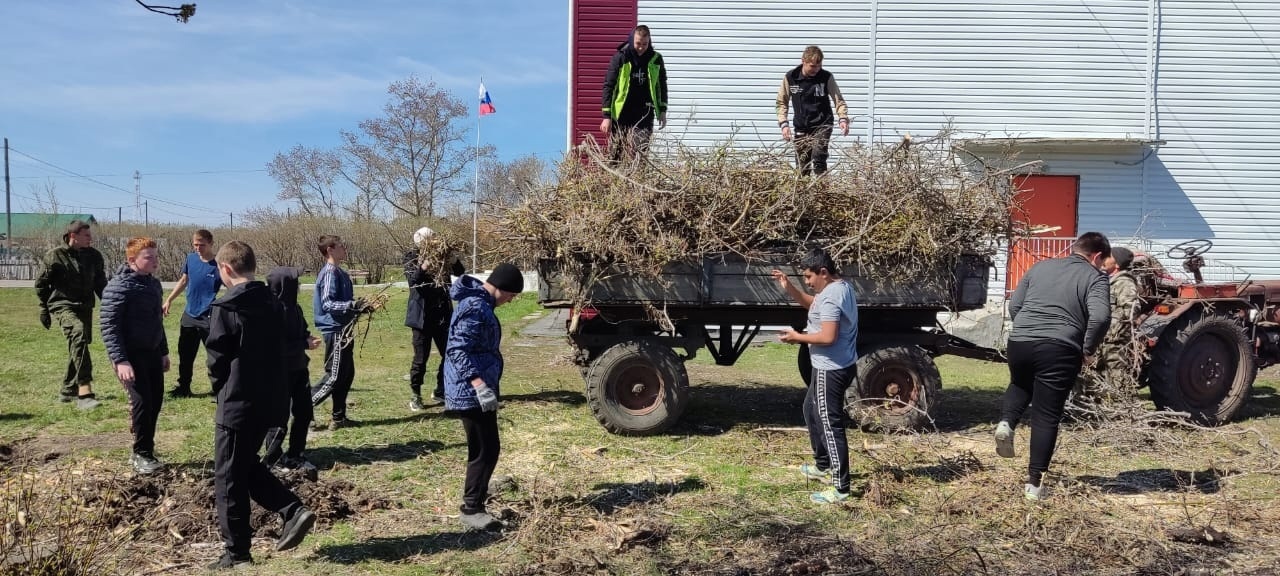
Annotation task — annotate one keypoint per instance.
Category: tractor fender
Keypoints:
(1154, 324)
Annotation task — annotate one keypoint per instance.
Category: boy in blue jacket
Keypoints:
(334, 307)
(472, 369)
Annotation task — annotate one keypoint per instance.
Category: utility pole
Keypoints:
(146, 214)
(119, 214)
(137, 193)
(233, 221)
(8, 212)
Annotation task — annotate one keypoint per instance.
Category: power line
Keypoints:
(117, 188)
(189, 173)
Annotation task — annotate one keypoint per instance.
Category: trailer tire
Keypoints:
(1202, 365)
(637, 388)
(898, 388)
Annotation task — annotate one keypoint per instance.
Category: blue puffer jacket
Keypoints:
(474, 338)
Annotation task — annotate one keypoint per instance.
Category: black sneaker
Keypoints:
(229, 561)
(295, 529)
(67, 398)
(180, 392)
(480, 521)
(415, 404)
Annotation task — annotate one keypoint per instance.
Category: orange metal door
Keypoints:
(1048, 204)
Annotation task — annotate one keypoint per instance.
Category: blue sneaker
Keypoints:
(829, 496)
(814, 473)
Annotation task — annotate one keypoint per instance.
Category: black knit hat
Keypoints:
(1122, 256)
(507, 277)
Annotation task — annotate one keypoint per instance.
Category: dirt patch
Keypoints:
(62, 506)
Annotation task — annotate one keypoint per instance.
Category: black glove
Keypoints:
(45, 320)
(360, 306)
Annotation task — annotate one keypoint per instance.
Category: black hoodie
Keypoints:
(283, 282)
(246, 358)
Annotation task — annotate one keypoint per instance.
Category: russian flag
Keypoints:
(486, 105)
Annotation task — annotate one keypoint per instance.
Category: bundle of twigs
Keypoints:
(892, 211)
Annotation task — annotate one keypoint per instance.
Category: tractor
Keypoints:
(1204, 340)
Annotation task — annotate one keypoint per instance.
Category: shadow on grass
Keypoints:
(1206, 481)
(395, 549)
(326, 456)
(717, 408)
(616, 495)
(569, 397)
(1264, 401)
(964, 408)
(411, 417)
(16, 416)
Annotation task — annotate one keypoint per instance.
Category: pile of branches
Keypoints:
(895, 210)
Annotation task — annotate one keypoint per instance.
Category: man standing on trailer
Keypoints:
(635, 94)
(809, 91)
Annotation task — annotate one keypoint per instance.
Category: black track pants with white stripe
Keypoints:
(339, 372)
(825, 417)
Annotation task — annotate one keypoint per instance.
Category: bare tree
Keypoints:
(45, 196)
(416, 153)
(181, 13)
(505, 183)
(307, 176)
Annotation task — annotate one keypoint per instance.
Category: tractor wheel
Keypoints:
(899, 388)
(637, 388)
(1202, 365)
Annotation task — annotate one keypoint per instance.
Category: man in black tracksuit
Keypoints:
(427, 316)
(809, 91)
(635, 93)
(247, 371)
(133, 333)
(283, 282)
(1060, 311)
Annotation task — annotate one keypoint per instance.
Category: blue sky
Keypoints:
(104, 88)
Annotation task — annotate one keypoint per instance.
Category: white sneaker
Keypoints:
(1004, 440)
(1032, 493)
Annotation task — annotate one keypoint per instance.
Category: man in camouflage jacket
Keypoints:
(1116, 363)
(71, 277)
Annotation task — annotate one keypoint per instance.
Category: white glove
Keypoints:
(488, 400)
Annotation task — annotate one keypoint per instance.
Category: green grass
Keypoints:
(719, 484)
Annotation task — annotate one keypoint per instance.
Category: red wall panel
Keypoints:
(598, 27)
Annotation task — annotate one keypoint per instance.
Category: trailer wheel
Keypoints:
(637, 388)
(1202, 365)
(899, 388)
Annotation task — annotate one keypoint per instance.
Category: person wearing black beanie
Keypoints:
(472, 371)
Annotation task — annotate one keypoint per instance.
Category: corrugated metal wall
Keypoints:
(1219, 110)
(1049, 68)
(597, 27)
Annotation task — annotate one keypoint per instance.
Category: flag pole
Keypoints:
(475, 195)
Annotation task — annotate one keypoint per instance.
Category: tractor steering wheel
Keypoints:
(1190, 249)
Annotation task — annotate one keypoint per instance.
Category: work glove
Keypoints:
(45, 320)
(488, 399)
(360, 306)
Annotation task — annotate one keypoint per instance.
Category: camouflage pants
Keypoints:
(1115, 372)
(77, 326)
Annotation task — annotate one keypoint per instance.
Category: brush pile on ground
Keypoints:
(894, 210)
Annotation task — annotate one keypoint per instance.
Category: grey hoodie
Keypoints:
(1064, 299)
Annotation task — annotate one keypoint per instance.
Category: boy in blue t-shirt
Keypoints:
(202, 282)
(832, 336)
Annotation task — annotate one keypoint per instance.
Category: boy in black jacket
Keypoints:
(247, 371)
(427, 316)
(133, 333)
(283, 282)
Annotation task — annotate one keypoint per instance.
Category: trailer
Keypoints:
(634, 333)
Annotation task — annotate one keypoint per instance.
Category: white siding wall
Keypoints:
(1219, 111)
(1026, 68)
